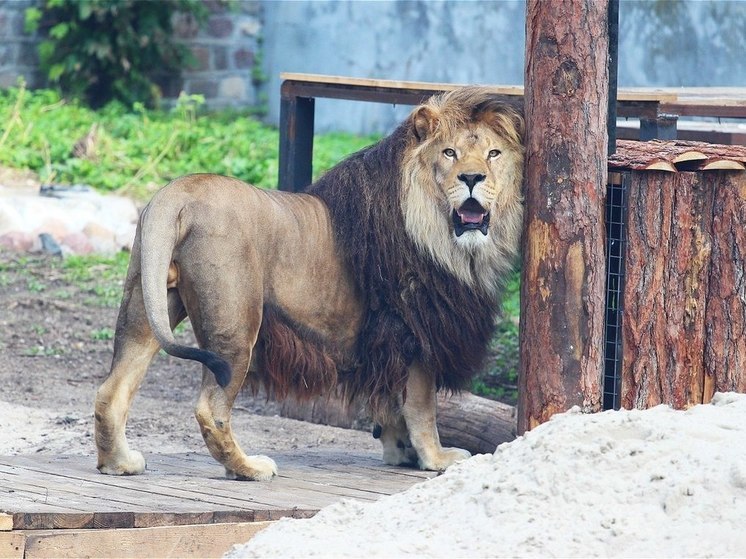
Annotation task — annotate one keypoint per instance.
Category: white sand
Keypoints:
(654, 483)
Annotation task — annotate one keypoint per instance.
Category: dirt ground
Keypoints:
(55, 350)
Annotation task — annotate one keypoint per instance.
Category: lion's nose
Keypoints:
(471, 179)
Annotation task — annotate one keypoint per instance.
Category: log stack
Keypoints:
(684, 320)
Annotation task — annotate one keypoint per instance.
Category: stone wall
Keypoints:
(17, 49)
(225, 48)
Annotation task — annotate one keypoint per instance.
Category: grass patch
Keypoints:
(99, 278)
(136, 151)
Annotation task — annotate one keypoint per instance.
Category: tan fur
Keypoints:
(223, 252)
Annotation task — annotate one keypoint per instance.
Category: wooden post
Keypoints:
(566, 101)
(296, 140)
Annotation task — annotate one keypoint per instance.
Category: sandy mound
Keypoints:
(659, 483)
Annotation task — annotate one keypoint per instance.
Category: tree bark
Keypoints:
(725, 317)
(566, 169)
(666, 286)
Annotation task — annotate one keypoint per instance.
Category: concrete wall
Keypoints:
(662, 43)
(17, 50)
(423, 40)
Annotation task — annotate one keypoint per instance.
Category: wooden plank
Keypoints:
(210, 540)
(67, 491)
(371, 83)
(81, 492)
(669, 96)
(6, 521)
(12, 545)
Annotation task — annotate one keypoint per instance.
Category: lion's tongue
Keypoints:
(470, 217)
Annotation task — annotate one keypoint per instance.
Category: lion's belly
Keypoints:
(320, 296)
(305, 276)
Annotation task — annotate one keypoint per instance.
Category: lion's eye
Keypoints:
(494, 153)
(450, 153)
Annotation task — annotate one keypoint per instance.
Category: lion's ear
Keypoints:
(424, 122)
(520, 126)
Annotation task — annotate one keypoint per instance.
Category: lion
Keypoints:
(381, 280)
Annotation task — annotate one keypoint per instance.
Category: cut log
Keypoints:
(464, 420)
(562, 287)
(722, 165)
(676, 155)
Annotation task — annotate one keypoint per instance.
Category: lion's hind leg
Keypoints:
(134, 348)
(397, 447)
(229, 329)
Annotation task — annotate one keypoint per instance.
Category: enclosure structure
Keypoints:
(676, 269)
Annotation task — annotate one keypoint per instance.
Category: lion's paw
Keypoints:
(399, 455)
(256, 468)
(443, 459)
(132, 464)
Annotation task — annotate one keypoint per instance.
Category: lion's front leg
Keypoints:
(418, 411)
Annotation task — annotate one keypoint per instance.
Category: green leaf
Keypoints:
(59, 31)
(85, 9)
(55, 72)
(32, 16)
(46, 51)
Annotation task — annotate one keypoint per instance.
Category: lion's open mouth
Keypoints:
(471, 216)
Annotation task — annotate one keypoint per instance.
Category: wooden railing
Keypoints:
(657, 109)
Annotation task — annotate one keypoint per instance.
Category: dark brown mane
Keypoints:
(415, 309)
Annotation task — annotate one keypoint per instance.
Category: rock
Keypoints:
(17, 241)
(102, 240)
(76, 217)
(54, 227)
(49, 245)
(76, 243)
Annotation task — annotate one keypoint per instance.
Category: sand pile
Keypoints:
(658, 482)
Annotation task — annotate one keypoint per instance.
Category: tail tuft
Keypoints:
(219, 368)
(217, 365)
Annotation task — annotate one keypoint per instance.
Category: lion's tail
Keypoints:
(159, 234)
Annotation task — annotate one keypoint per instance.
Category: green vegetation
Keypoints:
(137, 151)
(100, 51)
(499, 380)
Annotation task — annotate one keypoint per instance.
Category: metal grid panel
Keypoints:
(616, 243)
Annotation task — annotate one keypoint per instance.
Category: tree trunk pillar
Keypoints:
(562, 314)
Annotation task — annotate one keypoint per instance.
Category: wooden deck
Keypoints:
(56, 506)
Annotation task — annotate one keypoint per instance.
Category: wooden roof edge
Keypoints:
(516, 90)
(723, 164)
(657, 165)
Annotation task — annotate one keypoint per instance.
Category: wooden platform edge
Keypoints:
(196, 540)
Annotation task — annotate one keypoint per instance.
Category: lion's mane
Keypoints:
(417, 306)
